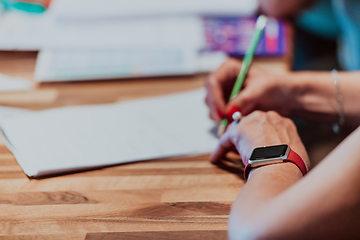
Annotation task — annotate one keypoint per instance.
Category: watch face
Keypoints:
(269, 152)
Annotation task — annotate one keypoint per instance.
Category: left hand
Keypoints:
(262, 91)
(260, 129)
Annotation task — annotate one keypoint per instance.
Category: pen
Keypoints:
(259, 27)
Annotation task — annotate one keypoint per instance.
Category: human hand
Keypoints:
(262, 91)
(260, 129)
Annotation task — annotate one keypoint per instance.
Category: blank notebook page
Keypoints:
(85, 137)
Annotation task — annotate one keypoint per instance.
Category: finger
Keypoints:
(213, 112)
(245, 101)
(221, 82)
(228, 72)
(225, 145)
(215, 98)
(249, 95)
(215, 117)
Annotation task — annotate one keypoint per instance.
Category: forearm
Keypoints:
(263, 184)
(324, 204)
(315, 96)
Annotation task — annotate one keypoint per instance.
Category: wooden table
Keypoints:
(178, 198)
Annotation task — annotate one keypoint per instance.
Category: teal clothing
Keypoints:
(320, 20)
(337, 19)
(347, 13)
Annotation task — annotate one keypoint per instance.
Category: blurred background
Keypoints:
(104, 39)
(79, 40)
(110, 39)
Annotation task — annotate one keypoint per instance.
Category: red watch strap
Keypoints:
(292, 157)
(297, 160)
(247, 171)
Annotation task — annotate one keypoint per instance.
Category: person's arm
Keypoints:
(281, 8)
(310, 95)
(323, 205)
(316, 96)
(277, 202)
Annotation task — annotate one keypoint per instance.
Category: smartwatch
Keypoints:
(263, 156)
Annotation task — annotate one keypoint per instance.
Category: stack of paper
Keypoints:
(115, 23)
(9, 112)
(33, 32)
(10, 84)
(100, 9)
(80, 30)
(86, 137)
(77, 64)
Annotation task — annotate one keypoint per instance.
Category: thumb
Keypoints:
(243, 101)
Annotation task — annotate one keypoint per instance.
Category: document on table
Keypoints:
(9, 112)
(80, 64)
(11, 84)
(99, 9)
(115, 23)
(34, 32)
(86, 137)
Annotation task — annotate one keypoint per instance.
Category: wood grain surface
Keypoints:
(175, 235)
(177, 198)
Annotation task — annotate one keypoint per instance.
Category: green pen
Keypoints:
(259, 27)
(22, 6)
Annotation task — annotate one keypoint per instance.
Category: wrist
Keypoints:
(280, 171)
(295, 89)
(314, 96)
(272, 155)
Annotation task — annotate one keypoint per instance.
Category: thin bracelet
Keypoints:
(340, 101)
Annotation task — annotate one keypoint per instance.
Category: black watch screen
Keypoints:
(269, 152)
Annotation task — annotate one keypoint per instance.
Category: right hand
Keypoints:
(259, 129)
(262, 91)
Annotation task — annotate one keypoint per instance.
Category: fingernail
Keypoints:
(219, 113)
(236, 116)
(212, 160)
(232, 110)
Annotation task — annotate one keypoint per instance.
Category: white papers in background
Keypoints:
(80, 29)
(10, 112)
(115, 23)
(98, 9)
(34, 32)
(11, 84)
(78, 64)
(21, 31)
(85, 137)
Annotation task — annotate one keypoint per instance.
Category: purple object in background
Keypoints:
(232, 35)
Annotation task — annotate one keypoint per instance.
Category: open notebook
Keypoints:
(86, 137)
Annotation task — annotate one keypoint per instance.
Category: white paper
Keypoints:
(115, 23)
(77, 138)
(10, 112)
(85, 9)
(11, 84)
(35, 32)
(75, 64)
